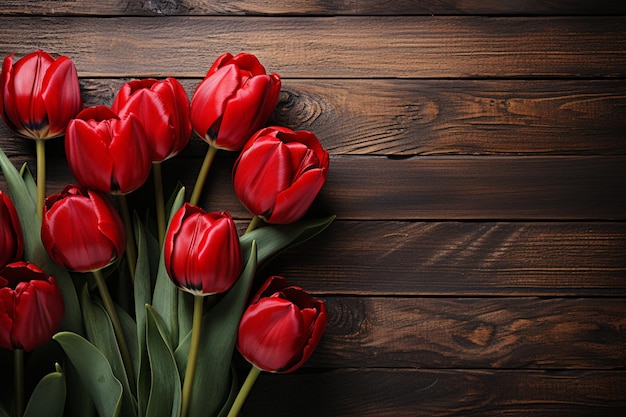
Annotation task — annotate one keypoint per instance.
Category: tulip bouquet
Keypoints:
(106, 312)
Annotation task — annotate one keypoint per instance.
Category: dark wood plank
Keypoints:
(477, 188)
(430, 188)
(461, 259)
(417, 392)
(260, 7)
(535, 333)
(332, 47)
(439, 117)
(435, 117)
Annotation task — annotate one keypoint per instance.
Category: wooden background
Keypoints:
(477, 265)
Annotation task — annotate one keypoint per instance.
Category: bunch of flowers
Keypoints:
(142, 316)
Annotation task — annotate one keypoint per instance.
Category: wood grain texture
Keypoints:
(534, 333)
(477, 266)
(360, 47)
(437, 117)
(306, 7)
(461, 258)
(428, 393)
(429, 188)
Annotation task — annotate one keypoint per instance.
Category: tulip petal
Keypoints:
(130, 155)
(61, 95)
(271, 333)
(221, 61)
(315, 336)
(127, 90)
(202, 251)
(87, 153)
(244, 113)
(11, 239)
(210, 98)
(9, 110)
(154, 114)
(293, 203)
(26, 89)
(109, 222)
(38, 313)
(248, 62)
(271, 285)
(261, 173)
(98, 113)
(7, 309)
(73, 240)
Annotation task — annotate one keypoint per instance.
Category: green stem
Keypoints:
(202, 175)
(254, 223)
(159, 200)
(192, 359)
(117, 327)
(18, 374)
(131, 248)
(244, 391)
(41, 175)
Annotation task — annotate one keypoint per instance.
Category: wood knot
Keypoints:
(481, 335)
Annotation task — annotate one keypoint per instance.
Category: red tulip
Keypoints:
(31, 306)
(11, 241)
(81, 230)
(279, 173)
(108, 153)
(202, 251)
(282, 327)
(233, 101)
(162, 107)
(40, 94)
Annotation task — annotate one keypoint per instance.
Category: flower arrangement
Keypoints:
(165, 341)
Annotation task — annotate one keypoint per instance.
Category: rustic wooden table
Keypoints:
(477, 265)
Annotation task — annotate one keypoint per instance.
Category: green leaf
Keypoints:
(143, 292)
(78, 400)
(234, 390)
(185, 315)
(29, 181)
(129, 328)
(100, 333)
(48, 398)
(272, 239)
(212, 384)
(34, 251)
(165, 297)
(94, 371)
(165, 389)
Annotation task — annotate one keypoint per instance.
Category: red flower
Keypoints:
(81, 230)
(202, 251)
(279, 173)
(11, 241)
(108, 153)
(40, 94)
(31, 306)
(162, 107)
(282, 327)
(233, 101)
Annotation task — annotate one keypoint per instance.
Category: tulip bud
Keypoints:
(162, 108)
(40, 94)
(279, 173)
(281, 328)
(31, 306)
(81, 230)
(202, 251)
(11, 240)
(107, 153)
(235, 99)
